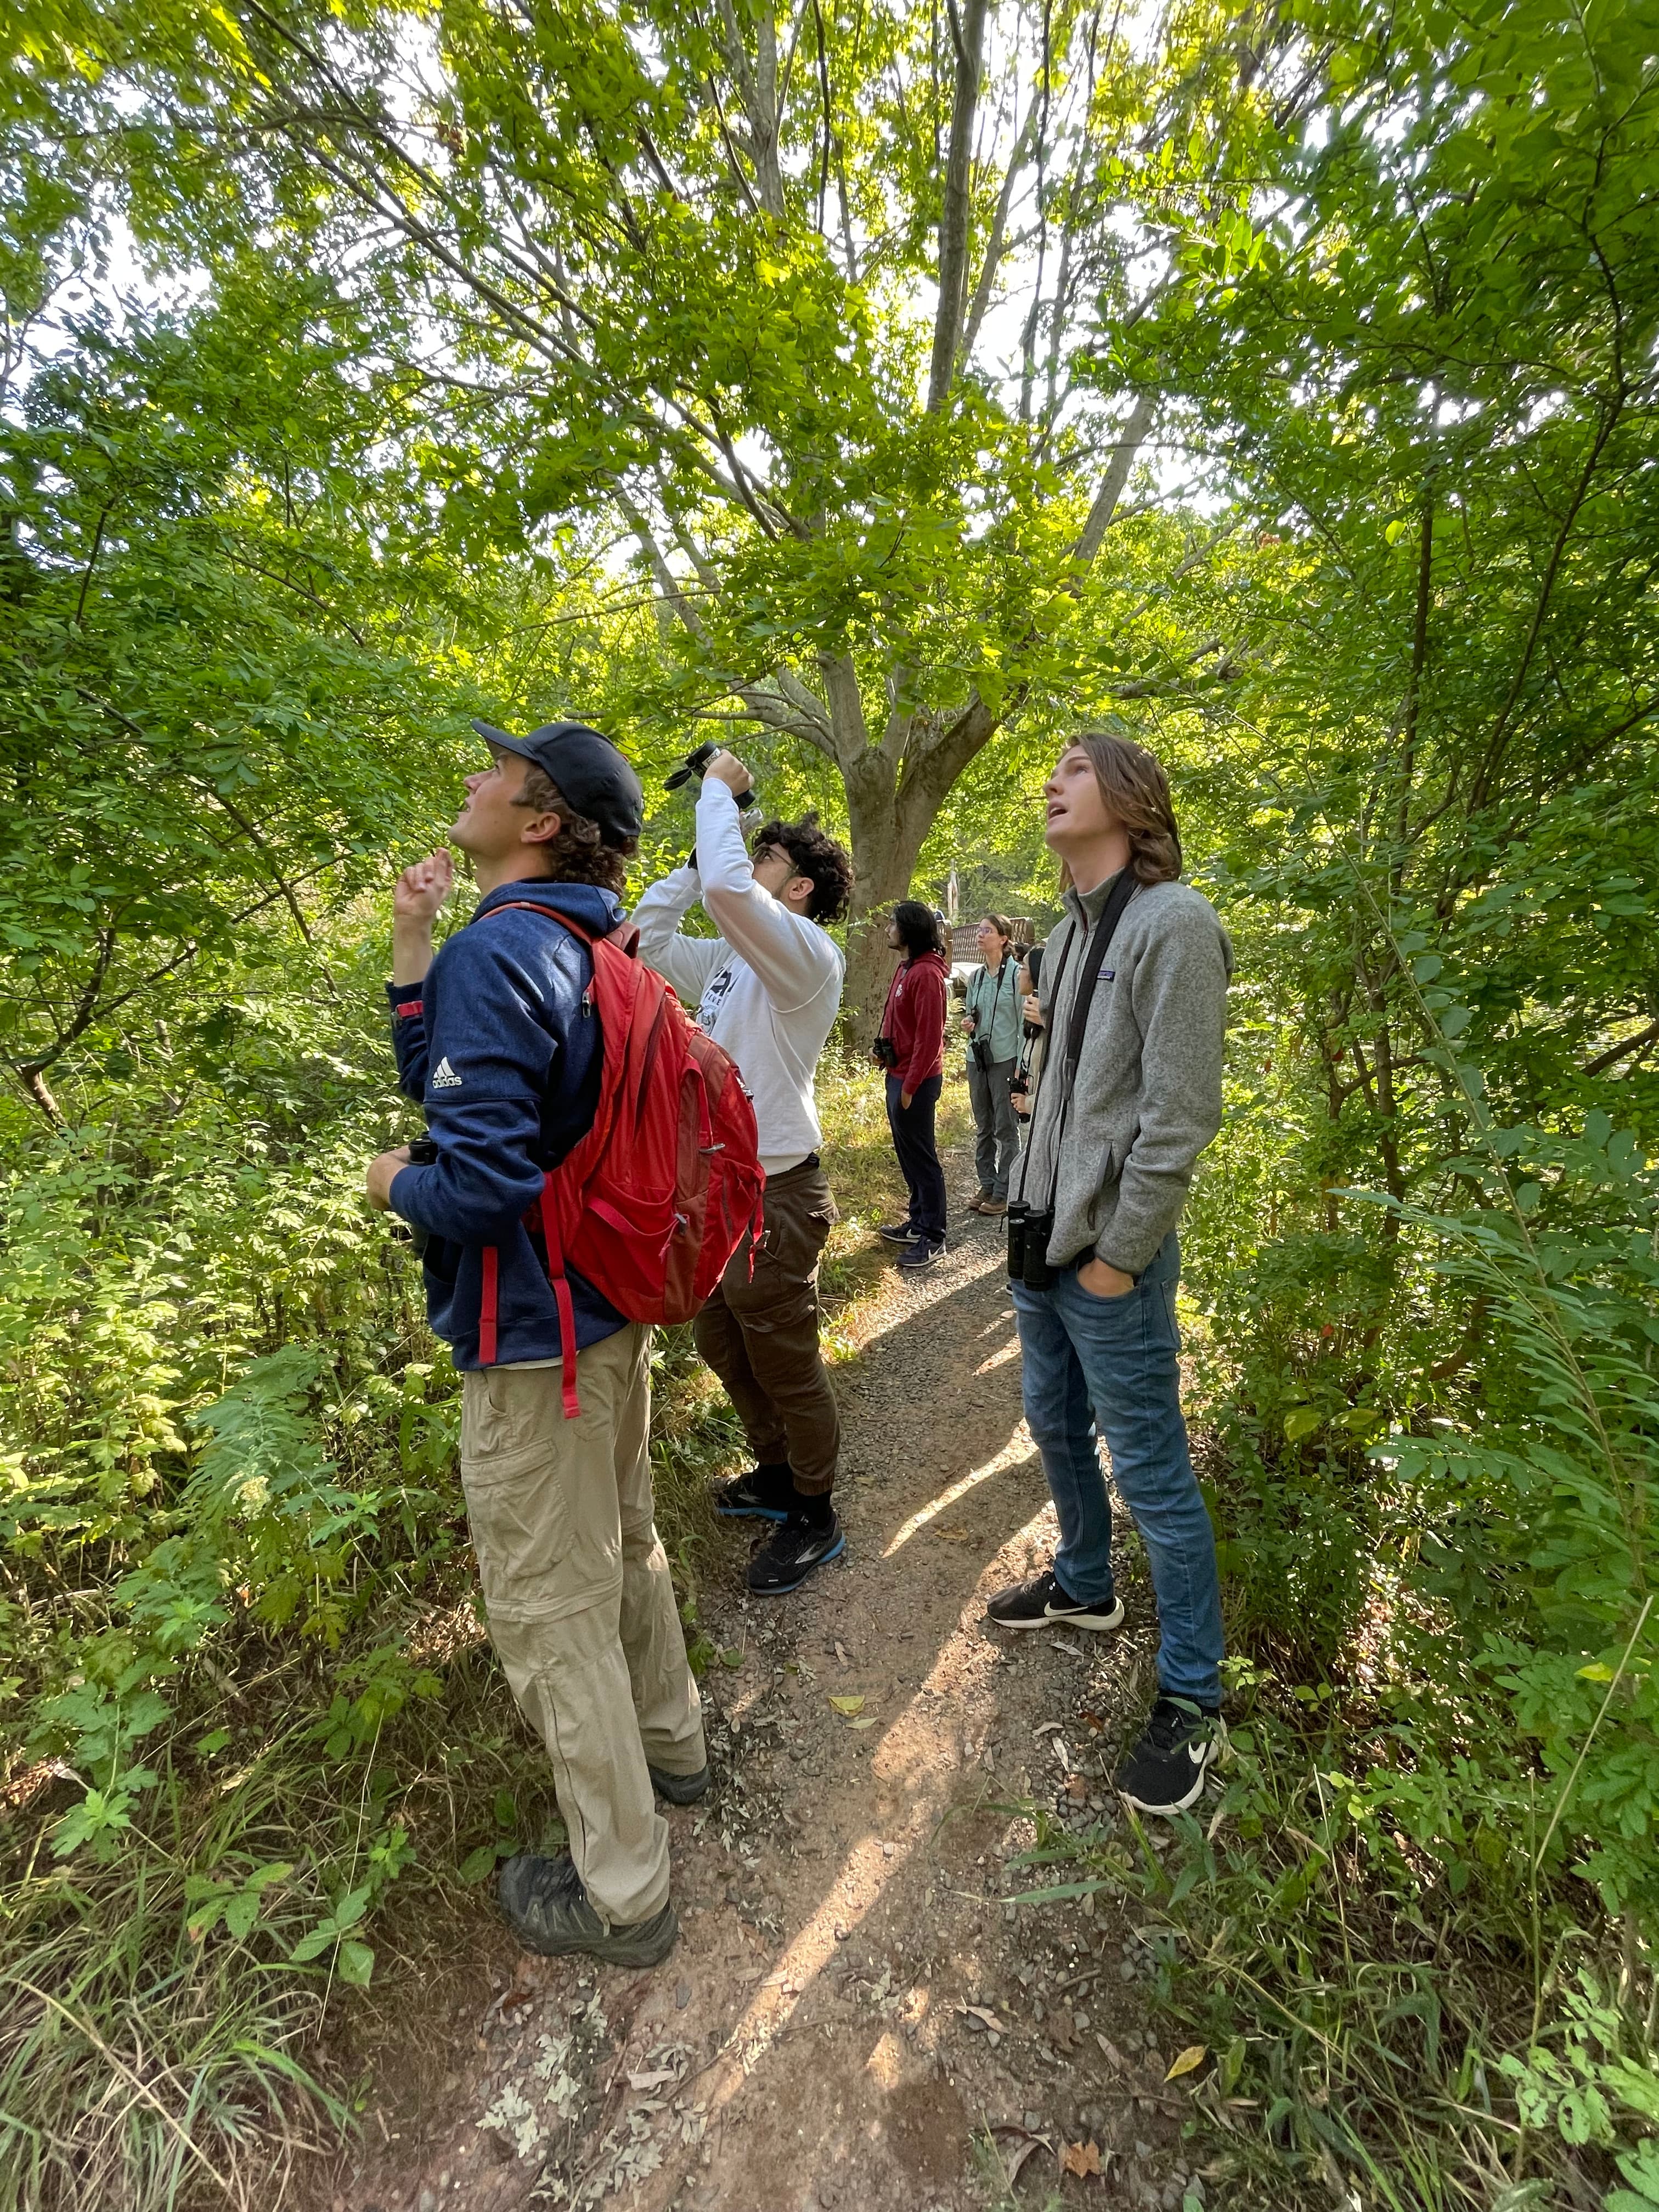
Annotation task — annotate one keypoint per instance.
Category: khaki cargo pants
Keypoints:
(581, 1610)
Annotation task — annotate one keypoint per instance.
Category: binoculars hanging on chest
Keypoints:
(1028, 1230)
(693, 766)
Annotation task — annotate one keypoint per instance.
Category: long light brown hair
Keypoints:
(1135, 787)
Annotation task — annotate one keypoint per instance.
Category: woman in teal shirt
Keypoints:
(991, 1018)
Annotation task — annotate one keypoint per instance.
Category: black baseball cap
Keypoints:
(588, 769)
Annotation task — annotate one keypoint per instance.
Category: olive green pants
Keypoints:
(580, 1607)
(759, 1332)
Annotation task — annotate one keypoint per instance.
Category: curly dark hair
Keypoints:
(918, 926)
(814, 854)
(578, 852)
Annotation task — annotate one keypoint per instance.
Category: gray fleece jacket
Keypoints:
(1148, 1092)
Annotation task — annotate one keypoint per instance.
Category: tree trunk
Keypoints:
(881, 877)
(889, 816)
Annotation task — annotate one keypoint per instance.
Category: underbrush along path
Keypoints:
(852, 2002)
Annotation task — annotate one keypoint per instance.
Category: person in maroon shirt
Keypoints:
(911, 1047)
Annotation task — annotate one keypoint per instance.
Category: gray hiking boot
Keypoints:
(679, 1788)
(543, 1902)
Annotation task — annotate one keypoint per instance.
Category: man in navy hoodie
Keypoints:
(497, 1039)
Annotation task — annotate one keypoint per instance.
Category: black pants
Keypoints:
(918, 1154)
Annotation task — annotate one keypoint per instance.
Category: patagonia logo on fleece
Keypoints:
(444, 1077)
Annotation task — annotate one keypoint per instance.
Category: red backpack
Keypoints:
(652, 1203)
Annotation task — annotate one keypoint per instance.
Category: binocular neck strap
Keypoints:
(1025, 1157)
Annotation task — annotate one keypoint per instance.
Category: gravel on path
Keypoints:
(855, 2017)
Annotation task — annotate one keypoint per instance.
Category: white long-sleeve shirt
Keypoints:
(767, 989)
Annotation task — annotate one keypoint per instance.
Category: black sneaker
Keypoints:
(898, 1232)
(1042, 1603)
(679, 1788)
(1164, 1773)
(921, 1252)
(543, 1902)
(764, 1494)
(785, 1560)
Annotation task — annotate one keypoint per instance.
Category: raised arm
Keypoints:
(419, 893)
(487, 1121)
(793, 957)
(686, 962)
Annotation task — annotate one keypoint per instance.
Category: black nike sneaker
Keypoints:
(896, 1232)
(1164, 1773)
(785, 1560)
(1042, 1603)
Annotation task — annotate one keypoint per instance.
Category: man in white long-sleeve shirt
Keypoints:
(768, 990)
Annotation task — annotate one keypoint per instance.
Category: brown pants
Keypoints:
(581, 1610)
(760, 1333)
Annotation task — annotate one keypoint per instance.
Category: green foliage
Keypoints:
(621, 403)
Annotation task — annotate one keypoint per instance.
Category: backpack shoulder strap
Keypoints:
(625, 937)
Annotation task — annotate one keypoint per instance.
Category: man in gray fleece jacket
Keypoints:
(1115, 1132)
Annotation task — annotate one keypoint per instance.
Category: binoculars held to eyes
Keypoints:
(693, 765)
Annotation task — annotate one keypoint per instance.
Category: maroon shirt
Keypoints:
(912, 1020)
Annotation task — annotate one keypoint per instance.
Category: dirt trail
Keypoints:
(852, 2001)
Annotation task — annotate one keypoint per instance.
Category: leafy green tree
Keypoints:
(790, 302)
(212, 711)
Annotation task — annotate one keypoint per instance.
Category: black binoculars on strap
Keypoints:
(1029, 1231)
(422, 1153)
(693, 765)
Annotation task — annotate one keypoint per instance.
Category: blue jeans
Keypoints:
(1110, 1367)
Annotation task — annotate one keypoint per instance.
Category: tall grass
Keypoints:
(252, 1706)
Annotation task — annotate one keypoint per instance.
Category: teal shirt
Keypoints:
(995, 999)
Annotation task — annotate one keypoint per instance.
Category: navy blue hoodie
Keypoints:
(501, 1046)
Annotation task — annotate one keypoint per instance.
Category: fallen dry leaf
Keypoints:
(1062, 2031)
(848, 1705)
(986, 2018)
(952, 1536)
(1187, 2061)
(656, 2080)
(1110, 2052)
(869, 1721)
(1076, 1789)
(1049, 1728)
(1080, 2158)
(1014, 2146)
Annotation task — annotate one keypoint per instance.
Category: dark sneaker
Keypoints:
(786, 1559)
(898, 1232)
(921, 1252)
(1164, 1773)
(679, 1788)
(764, 1494)
(1042, 1603)
(543, 1902)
